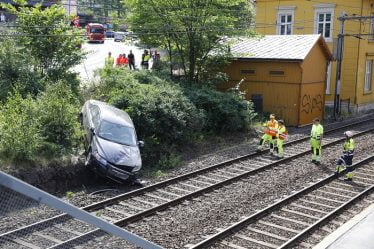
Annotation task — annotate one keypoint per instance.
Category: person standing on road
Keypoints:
(109, 61)
(347, 157)
(125, 61)
(145, 59)
(316, 136)
(270, 133)
(119, 61)
(281, 136)
(131, 59)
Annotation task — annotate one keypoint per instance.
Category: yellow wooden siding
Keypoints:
(311, 102)
(355, 50)
(314, 66)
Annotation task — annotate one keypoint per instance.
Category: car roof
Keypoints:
(112, 114)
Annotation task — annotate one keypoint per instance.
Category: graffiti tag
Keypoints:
(311, 104)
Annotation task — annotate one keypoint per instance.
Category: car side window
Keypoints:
(95, 112)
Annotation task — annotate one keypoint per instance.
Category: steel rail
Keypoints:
(95, 206)
(262, 213)
(165, 205)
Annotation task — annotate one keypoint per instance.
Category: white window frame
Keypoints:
(285, 11)
(368, 75)
(324, 9)
(328, 78)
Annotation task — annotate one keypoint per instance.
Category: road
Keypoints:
(97, 52)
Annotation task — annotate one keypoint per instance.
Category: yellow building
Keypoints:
(281, 75)
(287, 17)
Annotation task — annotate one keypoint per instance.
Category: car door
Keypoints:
(94, 121)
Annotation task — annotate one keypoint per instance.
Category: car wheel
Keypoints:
(87, 162)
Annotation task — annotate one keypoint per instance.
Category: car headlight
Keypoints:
(136, 168)
(99, 158)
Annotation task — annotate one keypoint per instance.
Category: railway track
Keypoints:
(132, 206)
(285, 223)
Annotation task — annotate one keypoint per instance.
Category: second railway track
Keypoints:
(126, 208)
(285, 223)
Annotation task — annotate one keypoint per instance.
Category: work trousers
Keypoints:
(316, 149)
(279, 148)
(347, 160)
(267, 138)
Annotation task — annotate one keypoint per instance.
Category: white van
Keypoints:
(119, 36)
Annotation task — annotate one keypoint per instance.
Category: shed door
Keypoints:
(257, 102)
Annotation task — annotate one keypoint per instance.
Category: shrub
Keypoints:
(224, 111)
(20, 138)
(57, 111)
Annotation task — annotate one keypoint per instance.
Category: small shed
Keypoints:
(282, 74)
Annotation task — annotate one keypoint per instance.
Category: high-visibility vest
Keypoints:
(317, 131)
(146, 57)
(282, 133)
(271, 127)
(349, 146)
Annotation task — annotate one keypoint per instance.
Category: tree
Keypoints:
(191, 28)
(46, 36)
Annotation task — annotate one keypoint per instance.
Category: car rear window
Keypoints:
(117, 133)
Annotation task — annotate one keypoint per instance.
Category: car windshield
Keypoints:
(117, 133)
(97, 30)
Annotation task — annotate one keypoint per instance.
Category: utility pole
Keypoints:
(339, 58)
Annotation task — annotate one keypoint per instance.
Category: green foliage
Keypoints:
(53, 46)
(224, 112)
(189, 29)
(20, 137)
(16, 70)
(57, 112)
(43, 127)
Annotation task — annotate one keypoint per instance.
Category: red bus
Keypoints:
(95, 32)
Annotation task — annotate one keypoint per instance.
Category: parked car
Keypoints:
(109, 34)
(119, 36)
(111, 144)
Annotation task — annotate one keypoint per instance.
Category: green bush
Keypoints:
(20, 138)
(57, 112)
(16, 70)
(224, 111)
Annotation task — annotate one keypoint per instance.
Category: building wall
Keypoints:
(286, 96)
(280, 94)
(356, 51)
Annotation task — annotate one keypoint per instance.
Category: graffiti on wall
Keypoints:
(311, 104)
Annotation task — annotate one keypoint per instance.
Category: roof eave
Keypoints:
(268, 59)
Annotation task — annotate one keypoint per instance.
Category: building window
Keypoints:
(328, 78)
(285, 23)
(247, 71)
(276, 73)
(368, 74)
(323, 20)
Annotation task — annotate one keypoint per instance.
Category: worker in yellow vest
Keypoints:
(281, 136)
(316, 136)
(270, 133)
(347, 157)
(109, 61)
(145, 59)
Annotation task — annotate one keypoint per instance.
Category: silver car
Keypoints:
(111, 144)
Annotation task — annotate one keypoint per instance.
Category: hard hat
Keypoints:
(348, 133)
(272, 116)
(316, 120)
(281, 121)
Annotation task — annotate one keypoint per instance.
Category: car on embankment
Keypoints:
(111, 144)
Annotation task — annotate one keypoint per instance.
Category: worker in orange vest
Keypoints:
(270, 133)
